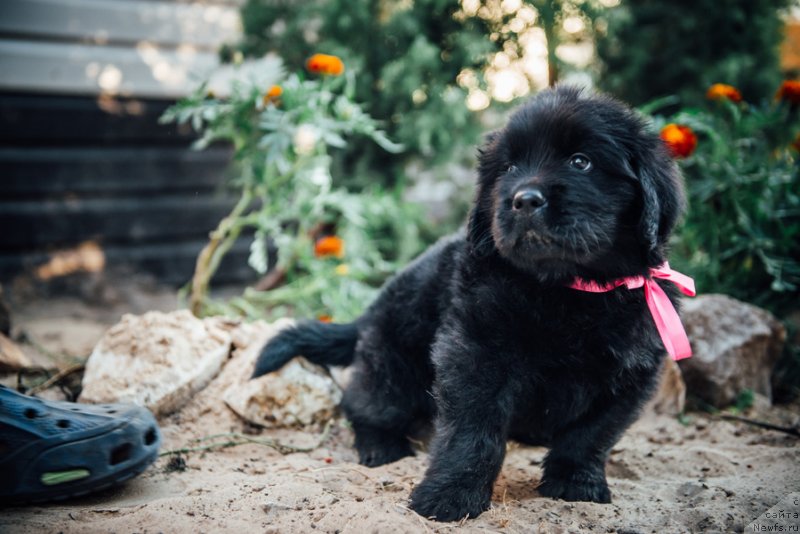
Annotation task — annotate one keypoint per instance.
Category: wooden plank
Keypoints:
(58, 172)
(28, 224)
(27, 119)
(147, 72)
(232, 3)
(204, 26)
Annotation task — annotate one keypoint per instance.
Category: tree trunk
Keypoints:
(548, 11)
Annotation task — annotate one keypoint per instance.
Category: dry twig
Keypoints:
(56, 378)
(235, 439)
(792, 431)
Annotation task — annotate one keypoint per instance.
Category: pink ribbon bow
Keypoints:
(666, 318)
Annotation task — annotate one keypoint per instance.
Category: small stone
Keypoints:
(297, 395)
(689, 489)
(271, 506)
(175, 463)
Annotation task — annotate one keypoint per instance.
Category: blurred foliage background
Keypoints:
(649, 49)
(434, 75)
(408, 56)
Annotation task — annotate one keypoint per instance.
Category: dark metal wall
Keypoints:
(74, 169)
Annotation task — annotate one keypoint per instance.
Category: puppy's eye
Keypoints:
(511, 168)
(580, 162)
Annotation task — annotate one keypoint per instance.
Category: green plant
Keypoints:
(418, 63)
(283, 129)
(652, 48)
(741, 235)
(744, 401)
(408, 55)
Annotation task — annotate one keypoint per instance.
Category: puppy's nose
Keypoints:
(528, 199)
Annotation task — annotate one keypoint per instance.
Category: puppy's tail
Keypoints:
(320, 343)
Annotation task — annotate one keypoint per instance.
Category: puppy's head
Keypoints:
(575, 185)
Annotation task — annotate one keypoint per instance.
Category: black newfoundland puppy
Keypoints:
(483, 335)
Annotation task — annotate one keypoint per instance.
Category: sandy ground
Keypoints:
(707, 475)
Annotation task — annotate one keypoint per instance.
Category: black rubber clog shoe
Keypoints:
(53, 450)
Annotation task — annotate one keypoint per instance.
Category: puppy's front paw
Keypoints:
(588, 486)
(450, 503)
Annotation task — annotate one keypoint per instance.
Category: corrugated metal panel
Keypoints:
(170, 263)
(202, 25)
(152, 49)
(82, 156)
(141, 194)
(56, 120)
(146, 71)
(60, 173)
(129, 219)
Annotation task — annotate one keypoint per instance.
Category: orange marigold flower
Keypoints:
(680, 140)
(796, 143)
(789, 91)
(325, 64)
(325, 319)
(272, 95)
(722, 91)
(329, 246)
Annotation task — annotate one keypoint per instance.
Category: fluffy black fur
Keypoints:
(481, 334)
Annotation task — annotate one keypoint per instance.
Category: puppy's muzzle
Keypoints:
(528, 200)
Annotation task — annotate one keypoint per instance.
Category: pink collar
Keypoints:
(666, 318)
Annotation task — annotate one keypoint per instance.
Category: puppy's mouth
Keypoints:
(535, 237)
(529, 243)
(521, 245)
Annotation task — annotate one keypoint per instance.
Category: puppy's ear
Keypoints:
(479, 227)
(663, 199)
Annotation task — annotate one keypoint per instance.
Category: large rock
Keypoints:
(735, 347)
(158, 360)
(297, 395)
(670, 398)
